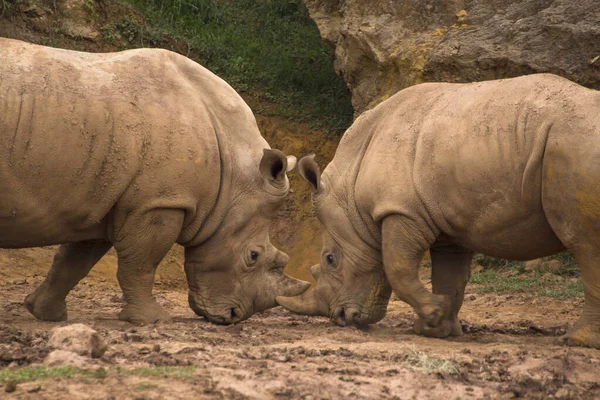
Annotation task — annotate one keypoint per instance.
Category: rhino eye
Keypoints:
(329, 259)
(253, 255)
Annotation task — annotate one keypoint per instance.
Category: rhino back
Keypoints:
(83, 132)
(468, 158)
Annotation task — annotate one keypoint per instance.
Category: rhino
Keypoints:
(509, 168)
(139, 150)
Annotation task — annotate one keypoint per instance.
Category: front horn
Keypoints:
(307, 304)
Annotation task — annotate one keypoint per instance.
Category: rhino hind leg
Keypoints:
(141, 243)
(586, 331)
(72, 262)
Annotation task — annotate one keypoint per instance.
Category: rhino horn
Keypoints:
(307, 304)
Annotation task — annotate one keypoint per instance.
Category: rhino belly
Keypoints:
(515, 237)
(31, 220)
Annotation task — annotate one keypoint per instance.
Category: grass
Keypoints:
(164, 372)
(7, 6)
(145, 386)
(26, 374)
(503, 276)
(270, 50)
(422, 361)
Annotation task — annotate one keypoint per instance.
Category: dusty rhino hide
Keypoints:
(138, 150)
(509, 168)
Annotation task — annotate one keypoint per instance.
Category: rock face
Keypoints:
(383, 46)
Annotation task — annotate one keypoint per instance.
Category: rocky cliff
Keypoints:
(382, 46)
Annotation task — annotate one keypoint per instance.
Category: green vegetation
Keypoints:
(145, 386)
(513, 281)
(40, 373)
(8, 5)
(503, 276)
(270, 51)
(165, 372)
(25, 374)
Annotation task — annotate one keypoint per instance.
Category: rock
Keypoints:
(33, 11)
(10, 386)
(533, 265)
(77, 25)
(63, 357)
(382, 47)
(553, 265)
(75, 30)
(34, 388)
(477, 269)
(78, 338)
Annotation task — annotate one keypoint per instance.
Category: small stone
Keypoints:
(477, 269)
(461, 16)
(10, 386)
(20, 282)
(533, 265)
(156, 348)
(34, 389)
(78, 338)
(553, 265)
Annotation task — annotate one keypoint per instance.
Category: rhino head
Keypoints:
(237, 271)
(351, 285)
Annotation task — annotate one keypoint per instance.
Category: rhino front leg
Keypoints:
(450, 272)
(72, 262)
(141, 244)
(404, 243)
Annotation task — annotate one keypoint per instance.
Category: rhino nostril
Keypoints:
(352, 316)
(339, 316)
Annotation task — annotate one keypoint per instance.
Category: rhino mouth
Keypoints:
(223, 316)
(231, 316)
(349, 315)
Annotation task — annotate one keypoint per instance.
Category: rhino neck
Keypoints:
(215, 217)
(341, 174)
(240, 151)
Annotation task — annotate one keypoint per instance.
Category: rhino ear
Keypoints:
(291, 163)
(310, 171)
(274, 165)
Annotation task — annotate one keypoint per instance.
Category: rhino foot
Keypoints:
(46, 307)
(444, 329)
(582, 336)
(149, 313)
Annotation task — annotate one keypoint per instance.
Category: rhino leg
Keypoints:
(141, 243)
(72, 262)
(586, 331)
(450, 272)
(404, 243)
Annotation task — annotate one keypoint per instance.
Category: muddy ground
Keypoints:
(507, 351)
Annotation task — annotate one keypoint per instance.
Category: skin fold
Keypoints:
(509, 168)
(138, 150)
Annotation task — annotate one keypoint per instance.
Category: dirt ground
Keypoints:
(507, 351)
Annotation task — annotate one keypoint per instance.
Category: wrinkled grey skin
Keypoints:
(508, 168)
(138, 150)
